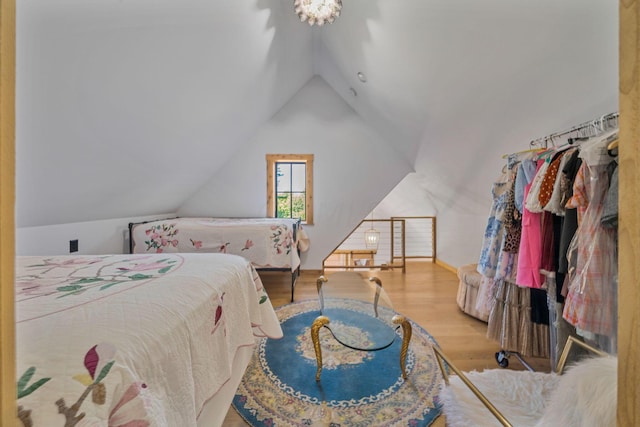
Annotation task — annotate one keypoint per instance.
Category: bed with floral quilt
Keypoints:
(135, 340)
(268, 243)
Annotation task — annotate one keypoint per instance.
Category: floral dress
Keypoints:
(495, 231)
(591, 298)
(506, 267)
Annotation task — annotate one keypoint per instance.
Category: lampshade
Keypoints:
(371, 238)
(317, 11)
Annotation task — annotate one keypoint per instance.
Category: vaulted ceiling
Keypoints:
(162, 93)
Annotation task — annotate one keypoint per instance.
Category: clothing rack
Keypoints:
(578, 133)
(586, 129)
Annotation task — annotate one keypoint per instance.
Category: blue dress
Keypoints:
(495, 231)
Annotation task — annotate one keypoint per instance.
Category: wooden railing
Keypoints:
(400, 238)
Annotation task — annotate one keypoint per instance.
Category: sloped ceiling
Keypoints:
(163, 93)
(472, 72)
(454, 86)
(158, 94)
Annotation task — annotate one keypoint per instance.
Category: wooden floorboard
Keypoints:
(426, 294)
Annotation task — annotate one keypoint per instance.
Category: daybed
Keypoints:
(268, 243)
(144, 340)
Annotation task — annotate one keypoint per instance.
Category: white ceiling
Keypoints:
(161, 93)
(455, 72)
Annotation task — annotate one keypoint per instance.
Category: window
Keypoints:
(290, 186)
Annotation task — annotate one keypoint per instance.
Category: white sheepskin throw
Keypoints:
(520, 396)
(585, 396)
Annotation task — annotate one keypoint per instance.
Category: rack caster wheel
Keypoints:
(501, 358)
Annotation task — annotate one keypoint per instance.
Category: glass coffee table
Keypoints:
(359, 315)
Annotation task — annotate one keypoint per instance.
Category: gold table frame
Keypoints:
(323, 321)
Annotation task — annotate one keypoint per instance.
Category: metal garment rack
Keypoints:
(502, 358)
(583, 131)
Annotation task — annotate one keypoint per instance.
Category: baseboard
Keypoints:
(312, 272)
(446, 266)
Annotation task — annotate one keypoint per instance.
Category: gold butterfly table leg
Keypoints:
(406, 337)
(315, 330)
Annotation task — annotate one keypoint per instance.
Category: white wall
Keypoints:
(353, 168)
(94, 237)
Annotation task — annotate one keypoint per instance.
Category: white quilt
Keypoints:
(266, 242)
(132, 340)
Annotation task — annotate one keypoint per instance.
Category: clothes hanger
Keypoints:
(531, 150)
(550, 153)
(543, 153)
(583, 133)
(602, 140)
(576, 139)
(612, 148)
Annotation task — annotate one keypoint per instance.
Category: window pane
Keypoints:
(289, 181)
(298, 206)
(298, 177)
(283, 207)
(283, 177)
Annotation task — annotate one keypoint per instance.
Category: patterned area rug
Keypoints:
(356, 388)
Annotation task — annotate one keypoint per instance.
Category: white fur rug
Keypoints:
(585, 396)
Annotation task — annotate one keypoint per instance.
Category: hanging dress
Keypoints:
(529, 256)
(590, 303)
(554, 205)
(508, 260)
(494, 231)
(502, 263)
(570, 220)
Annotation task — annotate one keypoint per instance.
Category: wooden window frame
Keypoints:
(272, 159)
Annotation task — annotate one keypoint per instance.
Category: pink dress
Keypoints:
(530, 253)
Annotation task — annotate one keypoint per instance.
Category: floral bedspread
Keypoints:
(132, 340)
(266, 242)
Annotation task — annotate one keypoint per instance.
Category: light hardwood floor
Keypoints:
(426, 294)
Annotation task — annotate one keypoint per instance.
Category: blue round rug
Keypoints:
(356, 388)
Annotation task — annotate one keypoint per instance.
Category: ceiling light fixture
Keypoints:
(371, 236)
(317, 11)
